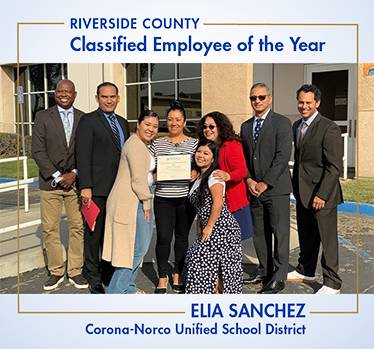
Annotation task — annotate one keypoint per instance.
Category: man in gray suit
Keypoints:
(53, 151)
(318, 164)
(267, 144)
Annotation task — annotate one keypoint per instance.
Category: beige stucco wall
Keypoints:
(6, 100)
(225, 87)
(87, 76)
(365, 124)
(287, 80)
(119, 79)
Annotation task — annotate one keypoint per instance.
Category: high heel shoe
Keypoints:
(162, 290)
(178, 288)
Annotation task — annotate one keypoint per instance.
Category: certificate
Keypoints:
(173, 167)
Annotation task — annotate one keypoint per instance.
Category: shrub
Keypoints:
(8, 145)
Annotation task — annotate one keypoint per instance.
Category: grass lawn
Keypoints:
(9, 169)
(366, 186)
(366, 190)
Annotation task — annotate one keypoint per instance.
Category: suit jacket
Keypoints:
(97, 152)
(267, 160)
(318, 163)
(49, 148)
(130, 187)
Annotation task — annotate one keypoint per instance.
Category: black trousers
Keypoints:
(271, 218)
(172, 215)
(315, 228)
(95, 269)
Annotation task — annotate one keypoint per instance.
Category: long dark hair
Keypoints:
(225, 129)
(214, 147)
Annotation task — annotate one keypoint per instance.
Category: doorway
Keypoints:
(337, 83)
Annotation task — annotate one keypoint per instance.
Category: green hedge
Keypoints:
(8, 145)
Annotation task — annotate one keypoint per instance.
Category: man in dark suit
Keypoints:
(318, 164)
(99, 140)
(267, 144)
(53, 151)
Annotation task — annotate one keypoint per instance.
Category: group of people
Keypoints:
(239, 187)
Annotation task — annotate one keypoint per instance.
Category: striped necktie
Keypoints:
(303, 130)
(115, 130)
(257, 129)
(67, 126)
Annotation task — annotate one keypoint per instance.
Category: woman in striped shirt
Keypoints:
(173, 212)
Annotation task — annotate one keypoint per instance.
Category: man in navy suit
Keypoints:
(99, 140)
(267, 144)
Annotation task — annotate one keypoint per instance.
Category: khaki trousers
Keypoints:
(51, 209)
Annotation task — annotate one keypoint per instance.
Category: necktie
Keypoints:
(303, 130)
(257, 129)
(67, 127)
(115, 130)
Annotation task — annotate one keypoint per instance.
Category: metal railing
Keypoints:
(345, 157)
(23, 184)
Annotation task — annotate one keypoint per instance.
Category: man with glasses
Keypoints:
(267, 144)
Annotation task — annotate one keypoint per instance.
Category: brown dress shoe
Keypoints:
(78, 281)
(53, 282)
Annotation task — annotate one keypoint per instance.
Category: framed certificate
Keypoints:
(173, 167)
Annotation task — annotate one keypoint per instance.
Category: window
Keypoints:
(39, 82)
(155, 85)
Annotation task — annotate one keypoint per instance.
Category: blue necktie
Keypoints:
(257, 129)
(115, 130)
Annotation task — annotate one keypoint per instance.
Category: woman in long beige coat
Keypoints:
(129, 218)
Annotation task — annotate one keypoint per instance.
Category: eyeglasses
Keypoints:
(211, 127)
(260, 97)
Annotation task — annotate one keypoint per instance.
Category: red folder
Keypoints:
(90, 214)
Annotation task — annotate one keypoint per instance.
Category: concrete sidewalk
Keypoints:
(34, 273)
(31, 254)
(31, 241)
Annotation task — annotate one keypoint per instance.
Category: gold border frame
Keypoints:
(182, 312)
(357, 128)
(18, 221)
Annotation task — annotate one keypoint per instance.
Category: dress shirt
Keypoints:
(308, 122)
(71, 122)
(263, 117)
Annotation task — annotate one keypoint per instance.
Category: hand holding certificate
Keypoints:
(173, 167)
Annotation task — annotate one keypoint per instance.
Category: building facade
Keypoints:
(347, 93)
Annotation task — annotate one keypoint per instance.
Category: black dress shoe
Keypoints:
(254, 279)
(162, 290)
(97, 288)
(178, 288)
(273, 287)
(106, 280)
